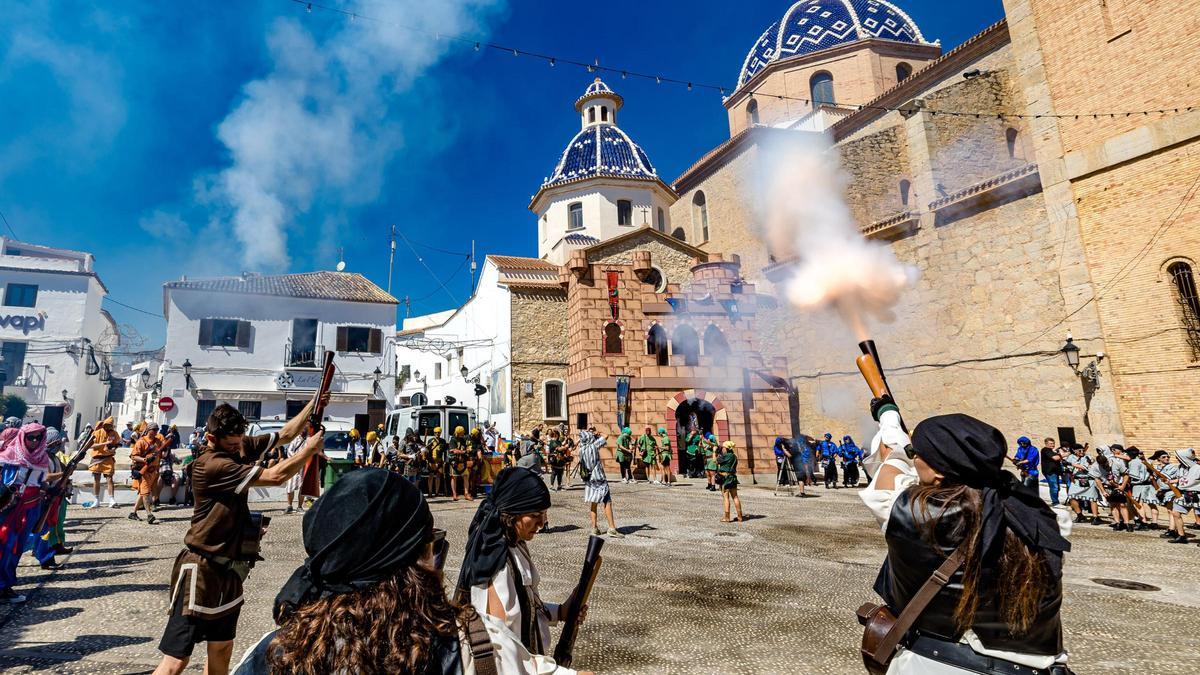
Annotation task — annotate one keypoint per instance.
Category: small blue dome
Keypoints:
(812, 25)
(597, 89)
(601, 150)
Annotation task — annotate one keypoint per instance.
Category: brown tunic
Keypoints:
(206, 572)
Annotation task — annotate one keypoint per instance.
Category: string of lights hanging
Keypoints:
(692, 85)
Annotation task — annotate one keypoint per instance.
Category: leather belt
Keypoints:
(961, 655)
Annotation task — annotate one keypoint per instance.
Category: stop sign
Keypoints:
(166, 404)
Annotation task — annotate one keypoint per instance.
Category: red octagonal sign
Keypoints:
(166, 404)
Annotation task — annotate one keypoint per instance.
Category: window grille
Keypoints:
(1189, 303)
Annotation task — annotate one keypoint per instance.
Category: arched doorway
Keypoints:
(692, 416)
(698, 408)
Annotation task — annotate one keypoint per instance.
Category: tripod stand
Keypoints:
(785, 479)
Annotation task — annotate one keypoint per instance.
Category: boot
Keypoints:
(1096, 520)
(1178, 539)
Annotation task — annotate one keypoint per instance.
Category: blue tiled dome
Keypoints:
(812, 25)
(601, 150)
(597, 89)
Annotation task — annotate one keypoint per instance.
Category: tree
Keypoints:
(13, 406)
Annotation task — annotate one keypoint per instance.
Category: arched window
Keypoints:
(700, 214)
(1189, 303)
(603, 113)
(1011, 137)
(656, 344)
(575, 216)
(624, 212)
(612, 339)
(752, 112)
(592, 114)
(905, 187)
(715, 344)
(685, 347)
(662, 220)
(903, 70)
(554, 401)
(820, 89)
(679, 234)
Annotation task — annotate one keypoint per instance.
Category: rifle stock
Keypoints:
(60, 485)
(1159, 475)
(563, 651)
(318, 404)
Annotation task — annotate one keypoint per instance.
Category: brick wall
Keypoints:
(539, 352)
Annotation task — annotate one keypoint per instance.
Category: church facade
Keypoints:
(1025, 229)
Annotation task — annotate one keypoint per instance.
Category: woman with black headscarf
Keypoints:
(944, 493)
(367, 605)
(498, 575)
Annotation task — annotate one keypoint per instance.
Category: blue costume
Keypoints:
(828, 451)
(782, 448)
(851, 456)
(1028, 461)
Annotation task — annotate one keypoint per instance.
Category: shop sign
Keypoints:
(23, 323)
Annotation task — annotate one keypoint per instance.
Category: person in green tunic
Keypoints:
(710, 447)
(625, 454)
(727, 472)
(664, 455)
(692, 443)
(648, 456)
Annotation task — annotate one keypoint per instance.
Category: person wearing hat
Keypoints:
(664, 454)
(24, 467)
(945, 494)
(341, 610)
(435, 461)
(827, 450)
(498, 576)
(52, 541)
(460, 454)
(710, 449)
(104, 460)
(727, 478)
(625, 455)
(557, 459)
(851, 457)
(691, 450)
(374, 456)
(1187, 479)
(477, 466)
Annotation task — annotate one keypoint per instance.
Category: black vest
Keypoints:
(912, 559)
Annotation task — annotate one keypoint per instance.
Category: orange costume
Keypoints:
(104, 449)
(145, 455)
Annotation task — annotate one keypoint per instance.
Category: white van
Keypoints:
(423, 419)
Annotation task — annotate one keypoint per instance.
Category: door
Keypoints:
(362, 422)
(52, 416)
(376, 411)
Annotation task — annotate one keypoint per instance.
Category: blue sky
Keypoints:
(173, 138)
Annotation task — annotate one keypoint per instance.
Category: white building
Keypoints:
(603, 184)
(142, 392)
(257, 342)
(54, 335)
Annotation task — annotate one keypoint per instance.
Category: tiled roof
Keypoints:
(601, 150)
(510, 262)
(814, 25)
(344, 286)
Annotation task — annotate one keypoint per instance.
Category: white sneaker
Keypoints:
(112, 503)
(92, 505)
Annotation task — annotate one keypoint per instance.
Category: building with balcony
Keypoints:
(54, 335)
(256, 342)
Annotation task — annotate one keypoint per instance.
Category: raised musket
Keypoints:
(563, 651)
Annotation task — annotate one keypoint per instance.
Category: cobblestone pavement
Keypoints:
(682, 593)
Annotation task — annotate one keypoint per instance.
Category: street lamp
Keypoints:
(1071, 351)
(1090, 372)
(145, 377)
(187, 374)
(464, 372)
(378, 374)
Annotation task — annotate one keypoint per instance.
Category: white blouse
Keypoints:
(880, 503)
(547, 613)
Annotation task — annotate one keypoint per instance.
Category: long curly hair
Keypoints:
(389, 627)
(1024, 579)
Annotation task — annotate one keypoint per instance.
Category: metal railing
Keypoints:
(300, 357)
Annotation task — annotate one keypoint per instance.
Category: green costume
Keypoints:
(727, 467)
(646, 445)
(624, 452)
(664, 448)
(557, 458)
(693, 444)
(710, 449)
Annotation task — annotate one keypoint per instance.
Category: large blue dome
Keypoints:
(812, 25)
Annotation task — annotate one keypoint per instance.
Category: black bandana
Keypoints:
(515, 491)
(970, 452)
(367, 527)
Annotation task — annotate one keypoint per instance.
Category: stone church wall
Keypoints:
(539, 352)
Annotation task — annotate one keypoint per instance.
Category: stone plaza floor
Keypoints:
(682, 593)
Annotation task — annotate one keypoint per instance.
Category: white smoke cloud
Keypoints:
(318, 128)
(806, 215)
